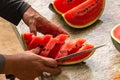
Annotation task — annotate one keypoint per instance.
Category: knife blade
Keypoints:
(77, 53)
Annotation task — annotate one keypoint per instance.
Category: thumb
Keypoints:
(36, 50)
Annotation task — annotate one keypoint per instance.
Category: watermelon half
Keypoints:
(56, 47)
(78, 13)
(115, 36)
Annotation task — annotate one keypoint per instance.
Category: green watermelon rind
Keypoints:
(79, 61)
(24, 42)
(115, 41)
(52, 8)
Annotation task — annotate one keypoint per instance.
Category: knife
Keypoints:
(77, 53)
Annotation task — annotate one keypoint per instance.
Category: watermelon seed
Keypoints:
(69, 1)
(40, 46)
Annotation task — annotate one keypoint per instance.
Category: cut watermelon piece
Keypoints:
(45, 40)
(49, 47)
(115, 36)
(62, 6)
(26, 39)
(78, 44)
(35, 42)
(78, 13)
(56, 47)
(81, 57)
(61, 40)
(65, 49)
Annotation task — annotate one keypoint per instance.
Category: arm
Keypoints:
(13, 10)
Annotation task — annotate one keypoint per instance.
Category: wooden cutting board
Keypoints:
(9, 43)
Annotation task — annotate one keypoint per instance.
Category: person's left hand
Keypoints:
(28, 65)
(36, 22)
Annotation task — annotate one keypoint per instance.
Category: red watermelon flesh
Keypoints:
(63, 6)
(61, 40)
(84, 13)
(116, 32)
(64, 50)
(78, 44)
(35, 42)
(48, 47)
(27, 38)
(45, 40)
(81, 57)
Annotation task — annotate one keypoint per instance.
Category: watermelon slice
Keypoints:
(62, 6)
(78, 44)
(56, 47)
(65, 49)
(35, 42)
(26, 38)
(48, 47)
(61, 40)
(115, 36)
(81, 57)
(78, 13)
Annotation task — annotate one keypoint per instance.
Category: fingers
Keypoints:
(49, 62)
(32, 26)
(36, 50)
(53, 71)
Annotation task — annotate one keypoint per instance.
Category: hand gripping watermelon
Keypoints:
(56, 47)
(115, 36)
(78, 13)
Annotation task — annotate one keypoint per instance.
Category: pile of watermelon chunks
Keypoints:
(56, 47)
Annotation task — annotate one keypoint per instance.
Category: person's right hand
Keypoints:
(28, 65)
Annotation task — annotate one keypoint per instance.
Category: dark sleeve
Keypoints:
(2, 63)
(13, 10)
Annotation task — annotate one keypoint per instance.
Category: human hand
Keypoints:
(36, 22)
(28, 65)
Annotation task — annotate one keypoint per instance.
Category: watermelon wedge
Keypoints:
(26, 38)
(115, 36)
(65, 49)
(81, 57)
(78, 13)
(78, 44)
(61, 40)
(36, 41)
(56, 47)
(48, 47)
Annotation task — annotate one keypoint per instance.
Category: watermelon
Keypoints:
(61, 39)
(27, 39)
(81, 57)
(65, 49)
(36, 41)
(78, 44)
(115, 36)
(56, 47)
(48, 47)
(78, 13)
